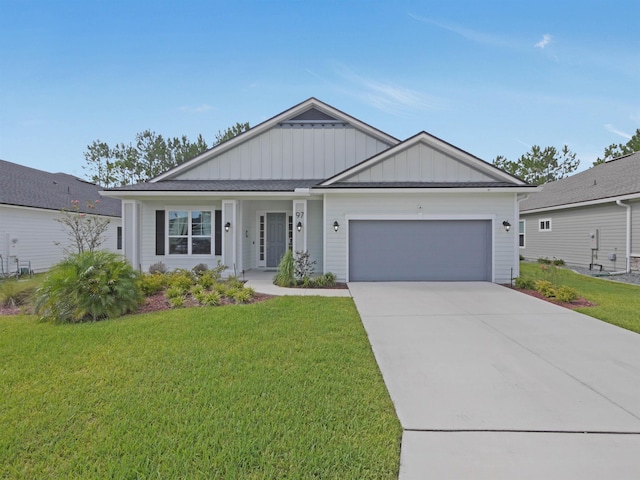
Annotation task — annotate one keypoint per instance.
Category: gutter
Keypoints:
(628, 248)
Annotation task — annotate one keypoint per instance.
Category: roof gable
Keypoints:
(310, 140)
(608, 181)
(425, 159)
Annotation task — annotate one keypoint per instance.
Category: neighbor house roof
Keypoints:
(608, 181)
(28, 187)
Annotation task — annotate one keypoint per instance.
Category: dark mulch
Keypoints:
(578, 303)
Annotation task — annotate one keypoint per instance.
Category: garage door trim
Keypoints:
(489, 217)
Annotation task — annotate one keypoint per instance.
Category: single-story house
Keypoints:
(591, 219)
(30, 201)
(365, 205)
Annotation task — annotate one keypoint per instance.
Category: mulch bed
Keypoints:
(154, 303)
(578, 303)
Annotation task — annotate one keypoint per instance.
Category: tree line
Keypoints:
(147, 156)
(542, 165)
(151, 154)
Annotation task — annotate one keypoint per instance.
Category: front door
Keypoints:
(276, 238)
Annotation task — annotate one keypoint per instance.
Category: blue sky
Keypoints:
(493, 78)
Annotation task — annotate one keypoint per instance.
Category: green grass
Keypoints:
(617, 303)
(287, 388)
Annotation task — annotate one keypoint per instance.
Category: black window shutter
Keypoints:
(217, 240)
(160, 232)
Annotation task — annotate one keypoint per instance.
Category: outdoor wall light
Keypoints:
(336, 226)
(506, 225)
(227, 226)
(299, 226)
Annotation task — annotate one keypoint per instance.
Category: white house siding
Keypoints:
(635, 234)
(569, 236)
(420, 163)
(496, 206)
(30, 234)
(290, 152)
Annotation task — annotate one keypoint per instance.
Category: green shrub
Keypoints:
(544, 261)
(557, 262)
(546, 288)
(285, 276)
(151, 283)
(241, 295)
(525, 283)
(200, 269)
(521, 257)
(174, 292)
(329, 279)
(182, 279)
(158, 268)
(14, 293)
(88, 286)
(211, 299)
(176, 302)
(303, 267)
(207, 280)
(566, 294)
(216, 272)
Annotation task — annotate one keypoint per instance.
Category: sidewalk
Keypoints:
(262, 281)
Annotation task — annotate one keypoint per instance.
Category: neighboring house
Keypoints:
(591, 219)
(365, 205)
(30, 200)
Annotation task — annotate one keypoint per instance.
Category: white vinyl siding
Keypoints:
(311, 151)
(569, 238)
(420, 163)
(17, 238)
(495, 206)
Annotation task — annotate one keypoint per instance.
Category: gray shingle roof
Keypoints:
(219, 186)
(420, 185)
(612, 179)
(28, 187)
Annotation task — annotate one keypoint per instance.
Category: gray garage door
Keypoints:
(420, 250)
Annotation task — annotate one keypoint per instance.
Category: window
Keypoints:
(544, 225)
(119, 238)
(189, 232)
(521, 233)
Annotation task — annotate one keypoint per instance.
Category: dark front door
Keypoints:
(276, 237)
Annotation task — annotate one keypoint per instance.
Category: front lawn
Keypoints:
(617, 303)
(288, 388)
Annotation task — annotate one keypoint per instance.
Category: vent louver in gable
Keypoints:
(313, 115)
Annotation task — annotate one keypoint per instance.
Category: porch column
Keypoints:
(131, 232)
(300, 217)
(230, 238)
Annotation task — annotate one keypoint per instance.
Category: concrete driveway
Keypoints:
(491, 383)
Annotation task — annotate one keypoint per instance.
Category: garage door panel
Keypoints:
(422, 250)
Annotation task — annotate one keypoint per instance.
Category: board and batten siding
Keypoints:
(290, 152)
(569, 238)
(30, 234)
(420, 163)
(425, 206)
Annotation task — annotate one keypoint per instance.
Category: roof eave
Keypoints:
(631, 196)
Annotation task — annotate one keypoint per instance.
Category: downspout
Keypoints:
(628, 248)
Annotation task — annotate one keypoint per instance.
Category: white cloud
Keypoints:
(612, 129)
(387, 96)
(546, 40)
(199, 109)
(469, 34)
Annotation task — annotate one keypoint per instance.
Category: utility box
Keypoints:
(612, 257)
(593, 239)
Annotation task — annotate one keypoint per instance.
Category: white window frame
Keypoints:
(522, 234)
(190, 235)
(542, 222)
